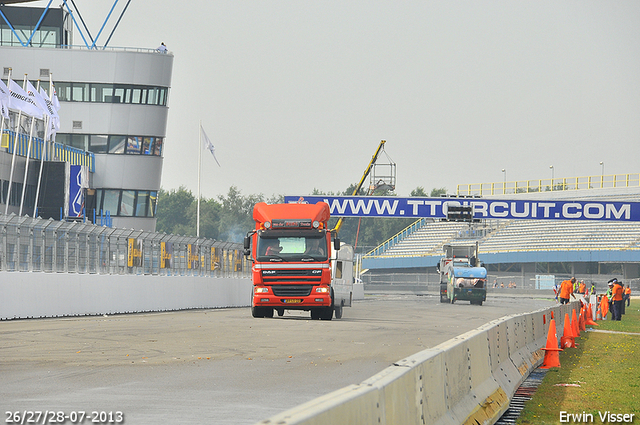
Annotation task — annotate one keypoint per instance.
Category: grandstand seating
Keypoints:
(518, 236)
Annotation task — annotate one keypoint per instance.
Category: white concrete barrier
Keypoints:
(31, 295)
(468, 379)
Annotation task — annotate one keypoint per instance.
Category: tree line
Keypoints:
(229, 217)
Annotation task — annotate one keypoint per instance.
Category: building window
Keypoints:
(111, 93)
(126, 203)
(116, 144)
(113, 144)
(110, 201)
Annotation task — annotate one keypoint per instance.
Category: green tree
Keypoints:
(419, 191)
(436, 192)
(176, 212)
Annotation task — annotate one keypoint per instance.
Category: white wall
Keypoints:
(27, 295)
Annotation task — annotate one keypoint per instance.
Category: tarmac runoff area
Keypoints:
(221, 366)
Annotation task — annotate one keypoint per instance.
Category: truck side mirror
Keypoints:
(336, 244)
(247, 246)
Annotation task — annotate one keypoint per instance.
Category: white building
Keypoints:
(113, 112)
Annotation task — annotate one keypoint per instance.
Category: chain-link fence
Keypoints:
(38, 245)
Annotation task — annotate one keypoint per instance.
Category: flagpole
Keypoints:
(26, 166)
(15, 148)
(42, 152)
(199, 166)
(8, 125)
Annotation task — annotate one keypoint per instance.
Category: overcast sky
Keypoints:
(297, 95)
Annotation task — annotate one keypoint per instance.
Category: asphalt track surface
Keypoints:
(220, 366)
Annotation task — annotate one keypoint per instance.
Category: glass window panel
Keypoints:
(157, 146)
(143, 96)
(127, 202)
(63, 90)
(118, 94)
(79, 141)
(153, 96)
(141, 204)
(116, 144)
(153, 201)
(99, 196)
(147, 143)
(163, 97)
(63, 139)
(135, 95)
(110, 202)
(80, 92)
(127, 95)
(134, 144)
(98, 143)
(102, 93)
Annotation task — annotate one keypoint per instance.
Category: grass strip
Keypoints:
(598, 378)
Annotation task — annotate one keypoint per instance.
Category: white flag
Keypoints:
(37, 98)
(52, 112)
(4, 100)
(208, 145)
(54, 99)
(21, 101)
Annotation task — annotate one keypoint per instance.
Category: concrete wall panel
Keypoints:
(26, 295)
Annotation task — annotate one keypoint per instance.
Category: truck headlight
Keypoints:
(261, 290)
(323, 289)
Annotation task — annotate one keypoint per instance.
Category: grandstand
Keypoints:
(518, 250)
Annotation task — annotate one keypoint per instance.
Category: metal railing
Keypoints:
(58, 152)
(38, 245)
(550, 185)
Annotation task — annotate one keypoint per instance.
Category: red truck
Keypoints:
(292, 269)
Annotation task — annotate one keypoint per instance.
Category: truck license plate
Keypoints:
(293, 301)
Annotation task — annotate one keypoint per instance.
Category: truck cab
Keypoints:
(293, 261)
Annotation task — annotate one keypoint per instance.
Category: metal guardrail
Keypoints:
(57, 151)
(38, 245)
(549, 185)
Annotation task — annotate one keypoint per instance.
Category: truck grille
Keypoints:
(291, 290)
(300, 275)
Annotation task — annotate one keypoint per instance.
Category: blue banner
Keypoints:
(76, 198)
(358, 206)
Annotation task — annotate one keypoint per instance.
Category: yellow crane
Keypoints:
(367, 171)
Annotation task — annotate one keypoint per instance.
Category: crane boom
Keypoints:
(374, 158)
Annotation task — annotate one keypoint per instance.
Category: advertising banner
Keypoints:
(166, 250)
(134, 253)
(76, 195)
(356, 206)
(215, 258)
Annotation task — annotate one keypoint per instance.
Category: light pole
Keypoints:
(602, 175)
(504, 185)
(552, 170)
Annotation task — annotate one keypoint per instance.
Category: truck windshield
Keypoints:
(292, 247)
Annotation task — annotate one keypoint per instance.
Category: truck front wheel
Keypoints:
(327, 313)
(338, 311)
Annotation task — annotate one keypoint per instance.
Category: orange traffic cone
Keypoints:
(598, 312)
(574, 324)
(567, 340)
(582, 319)
(551, 351)
(589, 320)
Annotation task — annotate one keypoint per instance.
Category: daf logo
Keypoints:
(316, 271)
(269, 272)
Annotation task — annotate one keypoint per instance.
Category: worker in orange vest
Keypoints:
(582, 288)
(627, 294)
(617, 293)
(566, 290)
